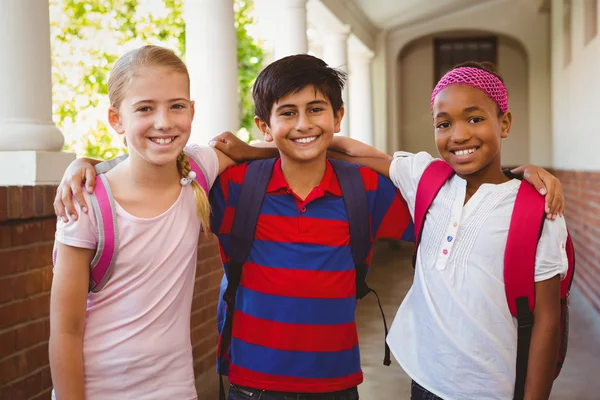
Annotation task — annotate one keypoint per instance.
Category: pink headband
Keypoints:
(477, 78)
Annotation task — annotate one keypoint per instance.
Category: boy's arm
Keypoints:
(68, 301)
(79, 171)
(544, 182)
(545, 340)
(240, 151)
(378, 164)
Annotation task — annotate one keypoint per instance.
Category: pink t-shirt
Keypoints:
(137, 332)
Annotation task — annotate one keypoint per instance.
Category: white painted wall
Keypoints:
(416, 66)
(519, 21)
(575, 94)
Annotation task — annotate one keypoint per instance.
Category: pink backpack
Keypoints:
(108, 235)
(524, 232)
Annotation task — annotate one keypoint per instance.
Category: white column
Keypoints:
(211, 57)
(290, 35)
(335, 53)
(361, 97)
(30, 143)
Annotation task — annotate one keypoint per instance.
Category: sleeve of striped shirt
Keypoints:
(389, 213)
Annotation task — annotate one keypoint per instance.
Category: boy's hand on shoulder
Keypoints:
(547, 185)
(79, 172)
(233, 147)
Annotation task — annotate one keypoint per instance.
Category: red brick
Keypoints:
(27, 196)
(48, 228)
(3, 203)
(13, 313)
(32, 334)
(37, 357)
(38, 201)
(13, 261)
(25, 285)
(13, 367)
(40, 306)
(48, 274)
(40, 256)
(49, 194)
(46, 378)
(26, 233)
(7, 343)
(5, 237)
(28, 387)
(17, 312)
(6, 289)
(14, 202)
(45, 395)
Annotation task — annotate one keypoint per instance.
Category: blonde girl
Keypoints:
(131, 339)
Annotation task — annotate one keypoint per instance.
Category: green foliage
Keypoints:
(87, 38)
(250, 59)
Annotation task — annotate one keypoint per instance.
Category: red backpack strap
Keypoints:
(104, 208)
(200, 173)
(434, 177)
(525, 229)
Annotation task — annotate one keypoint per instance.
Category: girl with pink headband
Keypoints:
(454, 334)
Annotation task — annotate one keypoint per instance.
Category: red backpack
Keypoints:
(524, 233)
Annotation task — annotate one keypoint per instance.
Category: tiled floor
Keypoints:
(391, 277)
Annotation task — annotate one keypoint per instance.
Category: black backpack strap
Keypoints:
(357, 208)
(241, 237)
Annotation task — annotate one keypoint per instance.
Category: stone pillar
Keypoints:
(335, 53)
(211, 57)
(361, 97)
(290, 37)
(30, 143)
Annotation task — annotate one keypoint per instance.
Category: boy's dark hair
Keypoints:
(292, 74)
(487, 67)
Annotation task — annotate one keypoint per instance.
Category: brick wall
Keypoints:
(27, 225)
(582, 191)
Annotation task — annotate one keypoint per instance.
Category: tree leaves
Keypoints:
(88, 36)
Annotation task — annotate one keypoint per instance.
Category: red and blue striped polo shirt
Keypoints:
(294, 323)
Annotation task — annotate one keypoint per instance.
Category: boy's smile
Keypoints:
(302, 125)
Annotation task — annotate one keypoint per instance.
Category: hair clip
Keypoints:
(186, 181)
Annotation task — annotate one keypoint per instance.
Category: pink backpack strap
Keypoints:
(434, 177)
(200, 173)
(108, 240)
(525, 229)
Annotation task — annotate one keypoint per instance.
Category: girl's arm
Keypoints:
(67, 320)
(545, 340)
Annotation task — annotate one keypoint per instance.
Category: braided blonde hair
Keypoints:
(202, 204)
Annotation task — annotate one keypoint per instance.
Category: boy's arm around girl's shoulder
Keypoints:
(68, 301)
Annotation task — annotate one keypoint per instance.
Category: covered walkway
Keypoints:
(391, 277)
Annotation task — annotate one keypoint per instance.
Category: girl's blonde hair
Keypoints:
(120, 77)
